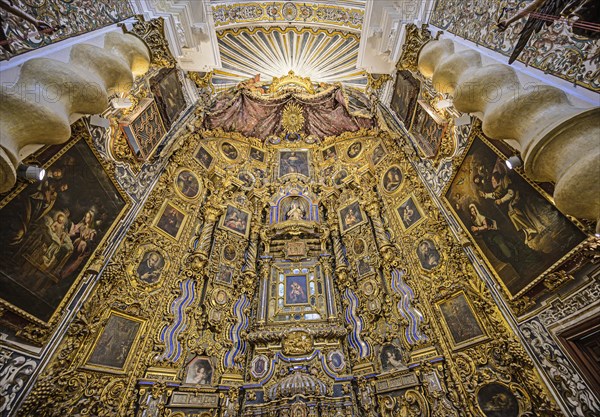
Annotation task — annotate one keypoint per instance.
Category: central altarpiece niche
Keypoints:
(290, 275)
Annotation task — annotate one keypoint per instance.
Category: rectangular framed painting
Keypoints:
(199, 371)
(170, 220)
(404, 98)
(428, 130)
(410, 213)
(294, 162)
(296, 290)
(350, 217)
(236, 220)
(460, 322)
(50, 229)
(520, 234)
(111, 351)
(168, 94)
(204, 157)
(144, 129)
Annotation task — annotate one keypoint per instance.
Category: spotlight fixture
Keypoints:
(514, 162)
(31, 172)
(443, 104)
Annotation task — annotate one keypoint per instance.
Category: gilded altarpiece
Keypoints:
(280, 279)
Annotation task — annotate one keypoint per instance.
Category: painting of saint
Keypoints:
(293, 162)
(329, 153)
(257, 154)
(518, 232)
(112, 348)
(170, 220)
(363, 267)
(167, 92)
(429, 256)
(391, 358)
(236, 220)
(378, 154)
(404, 98)
(354, 150)
(350, 216)
(205, 158)
(339, 178)
(225, 274)
(229, 150)
(229, 253)
(392, 179)
(150, 267)
(409, 213)
(426, 131)
(460, 320)
(296, 290)
(199, 371)
(359, 246)
(497, 400)
(247, 179)
(49, 229)
(187, 184)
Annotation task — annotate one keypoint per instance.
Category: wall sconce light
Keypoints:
(31, 172)
(514, 162)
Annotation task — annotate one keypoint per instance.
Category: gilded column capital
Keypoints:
(416, 38)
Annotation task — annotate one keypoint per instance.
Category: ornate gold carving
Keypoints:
(152, 33)
(297, 343)
(292, 119)
(416, 38)
(291, 81)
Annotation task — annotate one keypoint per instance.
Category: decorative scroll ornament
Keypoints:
(415, 39)
(152, 32)
(297, 343)
(291, 81)
(292, 119)
(202, 80)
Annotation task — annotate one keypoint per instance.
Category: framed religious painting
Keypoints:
(497, 399)
(391, 358)
(199, 371)
(354, 150)
(149, 264)
(50, 229)
(229, 151)
(225, 274)
(170, 220)
(404, 97)
(329, 153)
(428, 129)
(294, 162)
(167, 91)
(391, 180)
(236, 220)
(428, 254)
(113, 347)
(517, 230)
(460, 322)
(363, 267)
(257, 154)
(296, 290)
(204, 157)
(187, 184)
(143, 129)
(378, 154)
(410, 213)
(350, 217)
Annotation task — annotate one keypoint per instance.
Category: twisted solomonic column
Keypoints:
(50, 95)
(558, 141)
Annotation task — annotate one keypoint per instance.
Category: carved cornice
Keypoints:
(152, 33)
(416, 38)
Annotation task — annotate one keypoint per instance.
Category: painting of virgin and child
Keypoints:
(50, 229)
